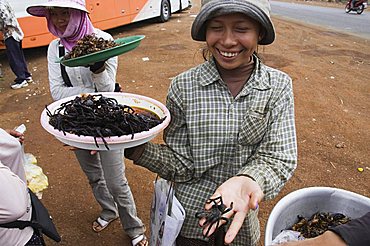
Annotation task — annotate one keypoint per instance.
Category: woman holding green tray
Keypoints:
(68, 20)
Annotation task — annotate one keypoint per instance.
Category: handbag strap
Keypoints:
(65, 76)
(170, 195)
(21, 224)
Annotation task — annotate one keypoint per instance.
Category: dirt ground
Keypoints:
(330, 73)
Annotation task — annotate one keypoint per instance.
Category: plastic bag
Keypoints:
(287, 236)
(37, 181)
(166, 216)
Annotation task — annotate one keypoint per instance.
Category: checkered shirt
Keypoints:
(214, 136)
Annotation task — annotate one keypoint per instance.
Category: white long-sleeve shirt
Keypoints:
(11, 154)
(15, 204)
(82, 79)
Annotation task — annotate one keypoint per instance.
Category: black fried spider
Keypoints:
(214, 215)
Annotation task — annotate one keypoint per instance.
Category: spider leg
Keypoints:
(228, 209)
(215, 200)
(96, 142)
(225, 219)
(210, 226)
(105, 143)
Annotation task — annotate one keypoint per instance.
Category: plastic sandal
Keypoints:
(99, 224)
(140, 240)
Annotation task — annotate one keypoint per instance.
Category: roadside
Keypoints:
(329, 72)
(327, 3)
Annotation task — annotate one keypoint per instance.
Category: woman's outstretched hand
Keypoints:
(244, 194)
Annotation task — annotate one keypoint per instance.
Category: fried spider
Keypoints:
(89, 44)
(215, 214)
(99, 117)
(318, 223)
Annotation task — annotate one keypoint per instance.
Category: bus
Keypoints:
(104, 14)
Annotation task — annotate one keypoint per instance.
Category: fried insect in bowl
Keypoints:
(89, 44)
(121, 46)
(105, 121)
(318, 223)
(310, 200)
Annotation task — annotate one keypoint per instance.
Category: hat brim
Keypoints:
(214, 9)
(40, 10)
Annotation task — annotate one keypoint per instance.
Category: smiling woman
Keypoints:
(232, 128)
(232, 42)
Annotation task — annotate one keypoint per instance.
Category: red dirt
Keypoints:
(332, 92)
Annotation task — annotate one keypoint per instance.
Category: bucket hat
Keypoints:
(259, 10)
(40, 9)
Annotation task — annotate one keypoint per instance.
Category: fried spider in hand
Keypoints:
(214, 215)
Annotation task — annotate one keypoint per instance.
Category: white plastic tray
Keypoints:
(114, 142)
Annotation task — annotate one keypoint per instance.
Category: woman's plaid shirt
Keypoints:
(214, 136)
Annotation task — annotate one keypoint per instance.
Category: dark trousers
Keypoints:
(17, 61)
(214, 240)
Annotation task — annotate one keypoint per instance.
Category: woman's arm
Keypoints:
(175, 157)
(355, 233)
(13, 196)
(329, 238)
(58, 88)
(104, 79)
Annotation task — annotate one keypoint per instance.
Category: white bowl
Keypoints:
(308, 201)
(114, 142)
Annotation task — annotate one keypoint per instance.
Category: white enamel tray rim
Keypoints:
(114, 142)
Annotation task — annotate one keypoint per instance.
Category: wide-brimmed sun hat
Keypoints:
(259, 10)
(40, 9)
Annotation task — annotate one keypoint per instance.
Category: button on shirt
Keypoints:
(214, 136)
(9, 25)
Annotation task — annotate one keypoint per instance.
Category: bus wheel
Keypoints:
(165, 11)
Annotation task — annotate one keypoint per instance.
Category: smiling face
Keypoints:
(60, 18)
(232, 39)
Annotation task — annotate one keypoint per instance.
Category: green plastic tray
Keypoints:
(124, 45)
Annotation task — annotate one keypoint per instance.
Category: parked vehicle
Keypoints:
(105, 14)
(358, 6)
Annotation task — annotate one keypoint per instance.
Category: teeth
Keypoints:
(228, 54)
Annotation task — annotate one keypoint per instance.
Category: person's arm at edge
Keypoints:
(329, 238)
(163, 159)
(355, 233)
(14, 195)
